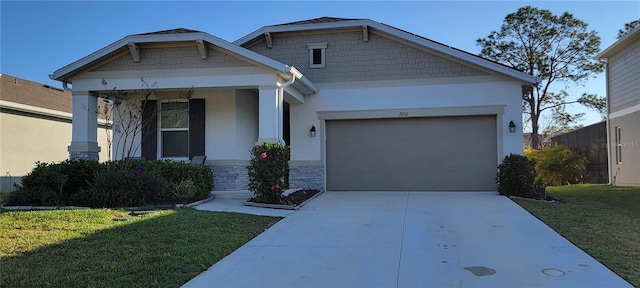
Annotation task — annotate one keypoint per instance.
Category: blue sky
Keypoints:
(39, 37)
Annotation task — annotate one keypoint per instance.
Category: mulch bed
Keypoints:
(293, 199)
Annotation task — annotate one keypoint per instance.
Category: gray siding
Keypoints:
(624, 77)
(349, 58)
(173, 58)
(627, 172)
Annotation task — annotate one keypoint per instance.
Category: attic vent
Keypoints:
(57, 89)
(317, 55)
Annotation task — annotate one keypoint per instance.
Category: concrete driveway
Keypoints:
(409, 239)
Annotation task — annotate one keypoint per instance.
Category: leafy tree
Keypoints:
(558, 165)
(552, 48)
(628, 27)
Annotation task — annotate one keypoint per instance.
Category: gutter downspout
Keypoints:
(281, 87)
(608, 124)
(65, 86)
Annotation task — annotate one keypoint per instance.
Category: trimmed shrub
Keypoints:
(129, 187)
(54, 183)
(113, 184)
(268, 171)
(185, 190)
(517, 177)
(558, 165)
(176, 172)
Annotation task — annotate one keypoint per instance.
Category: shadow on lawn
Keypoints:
(160, 251)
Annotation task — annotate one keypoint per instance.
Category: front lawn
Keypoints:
(602, 220)
(88, 248)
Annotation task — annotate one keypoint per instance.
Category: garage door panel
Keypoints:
(407, 181)
(438, 153)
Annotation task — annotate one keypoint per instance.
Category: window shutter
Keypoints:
(196, 128)
(150, 130)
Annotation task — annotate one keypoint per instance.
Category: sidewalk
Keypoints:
(232, 201)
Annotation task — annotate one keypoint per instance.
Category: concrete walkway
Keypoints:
(232, 201)
(409, 239)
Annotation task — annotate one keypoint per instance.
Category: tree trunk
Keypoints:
(535, 141)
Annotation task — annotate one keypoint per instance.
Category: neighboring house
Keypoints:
(35, 125)
(362, 105)
(623, 108)
(591, 142)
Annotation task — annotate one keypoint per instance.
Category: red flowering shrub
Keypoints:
(268, 171)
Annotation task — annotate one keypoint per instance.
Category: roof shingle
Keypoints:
(171, 31)
(17, 90)
(318, 20)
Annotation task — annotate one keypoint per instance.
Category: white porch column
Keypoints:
(270, 115)
(84, 133)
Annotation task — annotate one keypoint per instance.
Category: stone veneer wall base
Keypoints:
(88, 156)
(306, 177)
(230, 177)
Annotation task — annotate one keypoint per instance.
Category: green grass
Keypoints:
(603, 221)
(86, 248)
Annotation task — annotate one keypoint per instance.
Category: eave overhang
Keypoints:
(406, 36)
(632, 35)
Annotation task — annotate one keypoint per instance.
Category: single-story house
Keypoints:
(623, 108)
(35, 121)
(362, 105)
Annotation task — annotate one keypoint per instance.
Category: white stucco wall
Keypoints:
(466, 92)
(231, 122)
(247, 122)
(220, 123)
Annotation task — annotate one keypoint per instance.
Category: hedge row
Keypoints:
(113, 184)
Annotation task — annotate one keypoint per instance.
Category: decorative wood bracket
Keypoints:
(365, 33)
(135, 51)
(202, 49)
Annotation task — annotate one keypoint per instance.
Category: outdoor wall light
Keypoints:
(512, 127)
(312, 131)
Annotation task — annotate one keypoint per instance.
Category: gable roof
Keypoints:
(25, 92)
(318, 20)
(183, 35)
(172, 31)
(333, 23)
(632, 35)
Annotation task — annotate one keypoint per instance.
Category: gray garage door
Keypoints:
(415, 154)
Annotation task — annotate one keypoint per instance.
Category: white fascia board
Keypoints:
(312, 89)
(630, 36)
(477, 60)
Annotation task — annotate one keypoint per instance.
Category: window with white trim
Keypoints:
(317, 55)
(618, 145)
(174, 130)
